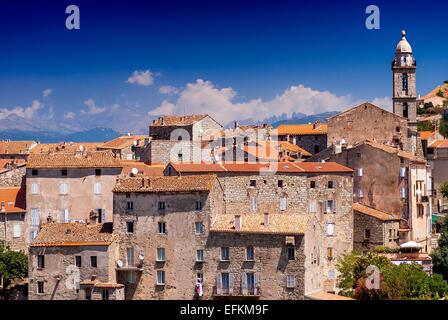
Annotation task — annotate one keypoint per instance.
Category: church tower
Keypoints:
(404, 96)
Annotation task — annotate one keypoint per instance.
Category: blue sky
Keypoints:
(255, 58)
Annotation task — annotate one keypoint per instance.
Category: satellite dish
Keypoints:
(343, 141)
(119, 263)
(81, 148)
(323, 161)
(216, 158)
(134, 171)
(141, 257)
(129, 134)
(135, 143)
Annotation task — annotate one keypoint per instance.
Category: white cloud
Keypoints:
(93, 108)
(142, 78)
(27, 113)
(384, 102)
(70, 115)
(169, 90)
(47, 92)
(203, 97)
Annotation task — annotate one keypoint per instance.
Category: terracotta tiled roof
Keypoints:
(122, 142)
(281, 167)
(302, 129)
(16, 147)
(165, 184)
(14, 200)
(416, 256)
(143, 168)
(73, 234)
(381, 215)
(185, 120)
(322, 295)
(392, 150)
(8, 164)
(293, 148)
(285, 224)
(65, 147)
(94, 159)
(366, 105)
(439, 144)
(425, 135)
(97, 284)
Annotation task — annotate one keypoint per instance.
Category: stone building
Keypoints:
(323, 190)
(311, 137)
(389, 180)
(162, 224)
(15, 149)
(180, 138)
(12, 172)
(374, 228)
(12, 218)
(128, 147)
(65, 187)
(73, 261)
(438, 161)
(232, 256)
(64, 147)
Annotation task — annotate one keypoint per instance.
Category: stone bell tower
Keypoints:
(404, 96)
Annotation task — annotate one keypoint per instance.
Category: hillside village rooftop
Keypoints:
(184, 120)
(93, 159)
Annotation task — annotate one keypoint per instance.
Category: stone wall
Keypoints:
(13, 177)
(13, 219)
(165, 151)
(311, 143)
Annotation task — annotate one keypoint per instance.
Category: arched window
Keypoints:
(404, 79)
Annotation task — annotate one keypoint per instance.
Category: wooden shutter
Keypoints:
(230, 283)
(256, 283)
(17, 231)
(219, 284)
(244, 283)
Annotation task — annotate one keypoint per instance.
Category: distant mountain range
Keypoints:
(51, 131)
(92, 135)
(322, 117)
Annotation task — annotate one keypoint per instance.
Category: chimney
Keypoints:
(266, 218)
(236, 124)
(237, 223)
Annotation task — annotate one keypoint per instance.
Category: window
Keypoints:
(17, 231)
(390, 233)
(93, 261)
(253, 204)
(367, 234)
(130, 205)
(63, 172)
(313, 206)
(101, 215)
(225, 254)
(199, 255)
(280, 183)
(225, 280)
(282, 204)
(404, 81)
(359, 193)
(316, 149)
(312, 184)
(330, 206)
(63, 188)
(105, 294)
(330, 253)
(200, 277)
(130, 226)
(403, 192)
(199, 228)
(331, 274)
(250, 280)
(41, 261)
(88, 293)
(198, 205)
(291, 253)
(290, 281)
(97, 188)
(131, 277)
(33, 235)
(35, 217)
(40, 287)
(34, 172)
(402, 172)
(162, 205)
(160, 254)
(179, 156)
(65, 216)
(34, 188)
(128, 195)
(160, 277)
(253, 183)
(161, 226)
(405, 110)
(330, 229)
(360, 172)
(330, 184)
(78, 261)
(97, 172)
(397, 129)
(250, 254)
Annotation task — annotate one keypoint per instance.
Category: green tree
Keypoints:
(440, 93)
(443, 129)
(440, 255)
(425, 126)
(443, 188)
(13, 266)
